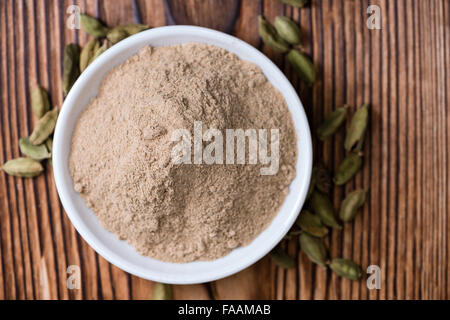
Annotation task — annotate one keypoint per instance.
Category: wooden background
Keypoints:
(403, 70)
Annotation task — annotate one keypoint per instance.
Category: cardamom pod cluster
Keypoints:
(76, 62)
(284, 34)
(38, 146)
(313, 222)
(320, 203)
(271, 37)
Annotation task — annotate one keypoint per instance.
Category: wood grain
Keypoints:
(402, 70)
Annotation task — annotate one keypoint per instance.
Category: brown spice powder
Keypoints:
(121, 153)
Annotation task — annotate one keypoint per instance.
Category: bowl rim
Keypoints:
(68, 202)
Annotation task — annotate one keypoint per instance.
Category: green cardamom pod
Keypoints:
(49, 144)
(270, 36)
(323, 207)
(332, 123)
(23, 167)
(288, 29)
(40, 102)
(303, 65)
(71, 66)
(87, 53)
(352, 202)
(44, 127)
(100, 51)
(322, 178)
(93, 26)
(346, 268)
(348, 169)
(357, 130)
(117, 34)
(132, 29)
(314, 248)
(296, 3)
(38, 153)
(311, 224)
(281, 258)
(162, 291)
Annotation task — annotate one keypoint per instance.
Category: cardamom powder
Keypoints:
(121, 153)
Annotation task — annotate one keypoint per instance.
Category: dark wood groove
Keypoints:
(13, 255)
(362, 182)
(321, 66)
(369, 211)
(46, 187)
(27, 126)
(446, 94)
(405, 19)
(416, 155)
(59, 212)
(420, 175)
(2, 263)
(19, 182)
(380, 142)
(5, 180)
(397, 163)
(419, 110)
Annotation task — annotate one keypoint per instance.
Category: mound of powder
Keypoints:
(121, 162)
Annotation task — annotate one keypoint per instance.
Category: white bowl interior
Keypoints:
(119, 252)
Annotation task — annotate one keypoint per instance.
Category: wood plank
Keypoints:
(402, 70)
(9, 277)
(446, 227)
(218, 15)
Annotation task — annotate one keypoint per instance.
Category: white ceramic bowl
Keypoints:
(119, 252)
